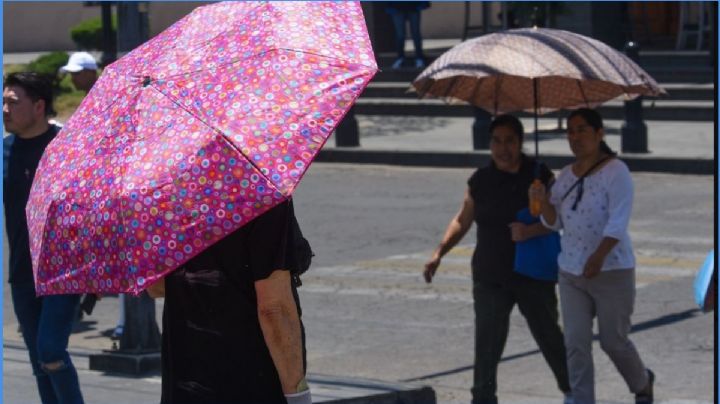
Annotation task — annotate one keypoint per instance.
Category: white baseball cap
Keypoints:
(79, 61)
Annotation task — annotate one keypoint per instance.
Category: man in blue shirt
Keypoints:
(46, 321)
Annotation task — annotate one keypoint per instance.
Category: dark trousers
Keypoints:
(413, 17)
(46, 324)
(493, 303)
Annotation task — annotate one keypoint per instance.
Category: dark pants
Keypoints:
(46, 324)
(493, 303)
(413, 17)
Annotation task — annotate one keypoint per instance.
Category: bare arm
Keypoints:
(520, 231)
(456, 230)
(595, 261)
(280, 325)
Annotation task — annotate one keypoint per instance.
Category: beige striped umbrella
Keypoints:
(536, 70)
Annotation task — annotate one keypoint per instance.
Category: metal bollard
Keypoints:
(141, 333)
(633, 134)
(481, 129)
(347, 133)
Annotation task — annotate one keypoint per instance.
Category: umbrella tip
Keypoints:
(146, 81)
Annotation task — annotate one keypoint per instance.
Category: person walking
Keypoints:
(46, 321)
(494, 196)
(403, 12)
(592, 202)
(232, 329)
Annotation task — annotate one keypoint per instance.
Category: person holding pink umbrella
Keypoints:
(231, 325)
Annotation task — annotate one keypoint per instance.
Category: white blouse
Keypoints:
(603, 211)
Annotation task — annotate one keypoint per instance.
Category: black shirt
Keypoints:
(498, 196)
(21, 158)
(213, 350)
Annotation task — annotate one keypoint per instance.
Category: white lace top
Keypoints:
(603, 211)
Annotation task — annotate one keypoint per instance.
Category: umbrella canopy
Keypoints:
(529, 68)
(705, 286)
(191, 136)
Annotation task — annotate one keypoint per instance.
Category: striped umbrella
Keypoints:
(537, 70)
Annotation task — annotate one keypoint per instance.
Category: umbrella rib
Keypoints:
(498, 81)
(232, 62)
(582, 93)
(199, 118)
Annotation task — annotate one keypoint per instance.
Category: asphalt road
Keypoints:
(369, 314)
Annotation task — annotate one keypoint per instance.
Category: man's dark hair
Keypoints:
(509, 121)
(37, 86)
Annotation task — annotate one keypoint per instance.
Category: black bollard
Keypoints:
(140, 343)
(347, 133)
(109, 54)
(139, 351)
(141, 333)
(633, 134)
(481, 129)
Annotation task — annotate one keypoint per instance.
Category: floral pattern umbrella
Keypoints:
(189, 137)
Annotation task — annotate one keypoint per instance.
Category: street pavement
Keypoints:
(369, 315)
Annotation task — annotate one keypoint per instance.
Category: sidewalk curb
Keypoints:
(480, 158)
(326, 389)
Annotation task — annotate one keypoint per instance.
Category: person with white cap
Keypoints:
(83, 69)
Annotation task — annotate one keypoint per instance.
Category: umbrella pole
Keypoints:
(535, 104)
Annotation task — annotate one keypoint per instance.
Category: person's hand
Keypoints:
(430, 268)
(518, 231)
(593, 266)
(157, 289)
(537, 192)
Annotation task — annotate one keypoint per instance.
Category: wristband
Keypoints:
(302, 397)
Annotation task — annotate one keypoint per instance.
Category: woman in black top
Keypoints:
(494, 196)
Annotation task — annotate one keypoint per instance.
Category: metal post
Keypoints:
(140, 342)
(141, 333)
(486, 16)
(132, 25)
(347, 133)
(634, 131)
(481, 129)
(109, 54)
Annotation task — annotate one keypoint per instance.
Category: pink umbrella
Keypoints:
(191, 136)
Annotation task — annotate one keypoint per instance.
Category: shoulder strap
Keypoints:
(602, 160)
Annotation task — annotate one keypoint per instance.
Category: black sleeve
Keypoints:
(267, 241)
(474, 180)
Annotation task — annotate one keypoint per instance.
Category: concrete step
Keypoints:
(479, 158)
(648, 59)
(676, 91)
(685, 74)
(661, 110)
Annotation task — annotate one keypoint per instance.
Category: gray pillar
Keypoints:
(481, 129)
(133, 26)
(141, 333)
(347, 133)
(634, 131)
(109, 54)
